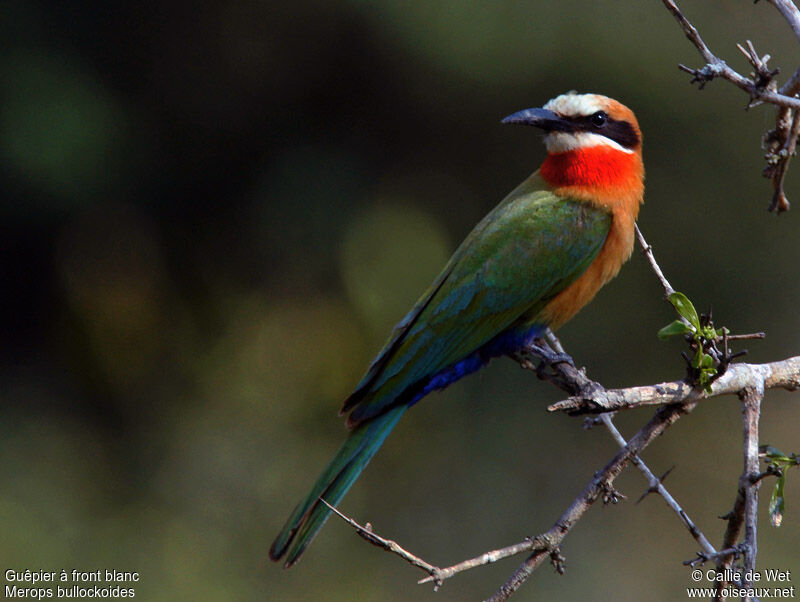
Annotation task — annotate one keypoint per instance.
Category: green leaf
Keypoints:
(674, 329)
(697, 360)
(685, 308)
(777, 502)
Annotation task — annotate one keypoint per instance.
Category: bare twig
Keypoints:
(647, 250)
(552, 339)
(742, 337)
(761, 86)
(389, 545)
(529, 544)
(703, 557)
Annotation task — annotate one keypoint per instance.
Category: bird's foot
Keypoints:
(548, 356)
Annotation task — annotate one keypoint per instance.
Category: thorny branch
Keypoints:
(546, 545)
(761, 86)
(676, 399)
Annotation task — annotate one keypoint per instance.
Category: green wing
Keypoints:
(522, 254)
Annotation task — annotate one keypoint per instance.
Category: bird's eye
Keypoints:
(599, 119)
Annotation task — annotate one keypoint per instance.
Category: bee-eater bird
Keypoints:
(531, 263)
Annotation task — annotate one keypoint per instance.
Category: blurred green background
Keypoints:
(213, 213)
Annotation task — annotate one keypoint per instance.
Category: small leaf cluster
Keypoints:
(707, 362)
(778, 464)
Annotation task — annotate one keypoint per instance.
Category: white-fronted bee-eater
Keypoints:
(531, 263)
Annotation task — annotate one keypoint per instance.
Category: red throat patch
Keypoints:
(595, 167)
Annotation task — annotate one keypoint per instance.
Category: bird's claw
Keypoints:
(561, 358)
(549, 357)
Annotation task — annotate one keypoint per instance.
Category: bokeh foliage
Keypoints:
(213, 213)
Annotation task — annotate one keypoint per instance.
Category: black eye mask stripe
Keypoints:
(620, 132)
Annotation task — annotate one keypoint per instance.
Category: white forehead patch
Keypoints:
(577, 104)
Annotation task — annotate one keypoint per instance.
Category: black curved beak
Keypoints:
(541, 118)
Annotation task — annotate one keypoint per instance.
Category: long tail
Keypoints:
(340, 474)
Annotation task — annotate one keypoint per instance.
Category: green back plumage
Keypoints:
(522, 254)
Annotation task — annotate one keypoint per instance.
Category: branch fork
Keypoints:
(761, 86)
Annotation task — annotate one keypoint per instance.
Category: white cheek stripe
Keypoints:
(559, 142)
